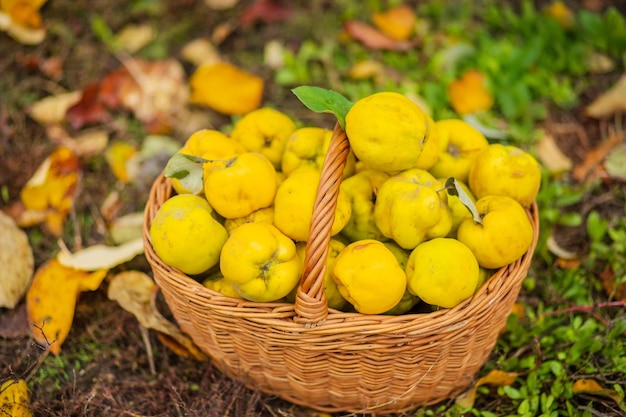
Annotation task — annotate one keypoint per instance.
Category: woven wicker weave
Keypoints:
(330, 360)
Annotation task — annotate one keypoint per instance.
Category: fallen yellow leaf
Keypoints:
(52, 109)
(101, 256)
(562, 14)
(226, 88)
(469, 93)
(15, 399)
(51, 300)
(495, 377)
(590, 386)
(118, 156)
(53, 187)
(398, 23)
(22, 21)
(133, 290)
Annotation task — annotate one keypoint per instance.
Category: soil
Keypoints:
(105, 367)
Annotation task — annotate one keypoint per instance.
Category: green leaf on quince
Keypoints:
(188, 170)
(454, 188)
(321, 100)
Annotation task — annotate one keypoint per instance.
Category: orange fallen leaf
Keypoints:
(610, 102)
(15, 399)
(495, 377)
(226, 88)
(51, 300)
(610, 286)
(53, 187)
(16, 258)
(590, 386)
(134, 290)
(373, 38)
(398, 23)
(22, 21)
(563, 15)
(594, 157)
(469, 93)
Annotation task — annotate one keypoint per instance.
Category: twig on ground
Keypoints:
(146, 340)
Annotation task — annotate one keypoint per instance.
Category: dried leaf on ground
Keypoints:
(51, 300)
(22, 21)
(132, 38)
(15, 399)
(611, 287)
(373, 38)
(134, 291)
(367, 69)
(101, 256)
(126, 228)
(264, 11)
(615, 163)
(52, 189)
(87, 143)
(16, 261)
(118, 156)
(563, 15)
(469, 93)
(226, 88)
(551, 155)
(13, 323)
(52, 109)
(155, 91)
(610, 102)
(590, 386)
(594, 157)
(398, 22)
(221, 4)
(200, 51)
(496, 378)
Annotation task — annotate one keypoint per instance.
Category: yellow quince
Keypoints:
(260, 262)
(412, 207)
(293, 205)
(505, 170)
(442, 272)
(504, 235)
(264, 215)
(387, 131)
(265, 131)
(185, 235)
(362, 189)
(237, 187)
(367, 274)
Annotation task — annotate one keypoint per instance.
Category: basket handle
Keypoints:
(311, 305)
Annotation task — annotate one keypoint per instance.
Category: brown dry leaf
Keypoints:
(469, 93)
(594, 157)
(134, 290)
(89, 109)
(495, 377)
(51, 300)
(611, 288)
(226, 88)
(551, 155)
(264, 11)
(16, 261)
(610, 102)
(101, 256)
(88, 143)
(14, 324)
(398, 23)
(53, 187)
(373, 38)
(52, 109)
(590, 386)
(132, 38)
(15, 399)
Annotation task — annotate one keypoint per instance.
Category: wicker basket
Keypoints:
(330, 360)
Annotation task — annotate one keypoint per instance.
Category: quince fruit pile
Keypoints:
(426, 210)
